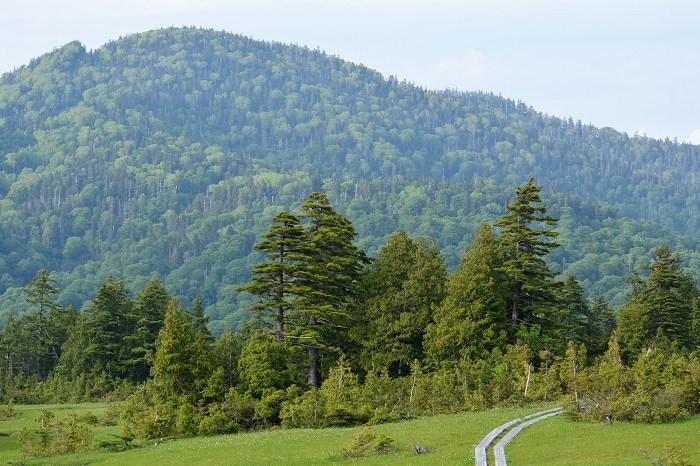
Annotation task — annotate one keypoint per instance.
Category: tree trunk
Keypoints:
(313, 376)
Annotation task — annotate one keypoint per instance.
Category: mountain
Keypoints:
(167, 153)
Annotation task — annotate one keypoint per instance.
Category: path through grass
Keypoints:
(451, 440)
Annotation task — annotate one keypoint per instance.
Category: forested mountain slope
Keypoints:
(167, 154)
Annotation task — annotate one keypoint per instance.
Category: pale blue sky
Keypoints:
(631, 65)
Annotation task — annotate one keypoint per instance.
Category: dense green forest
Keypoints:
(166, 154)
(338, 339)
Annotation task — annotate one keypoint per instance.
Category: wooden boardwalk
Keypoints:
(520, 423)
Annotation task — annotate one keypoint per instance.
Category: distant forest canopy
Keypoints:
(168, 153)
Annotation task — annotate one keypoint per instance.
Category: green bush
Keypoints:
(368, 442)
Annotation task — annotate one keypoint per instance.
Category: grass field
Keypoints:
(560, 441)
(9, 445)
(450, 439)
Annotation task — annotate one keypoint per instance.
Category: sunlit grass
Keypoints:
(450, 440)
(28, 415)
(561, 441)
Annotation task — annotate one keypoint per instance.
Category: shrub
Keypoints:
(368, 442)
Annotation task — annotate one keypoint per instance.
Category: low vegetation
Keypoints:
(443, 439)
(558, 441)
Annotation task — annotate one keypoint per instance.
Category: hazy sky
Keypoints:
(631, 65)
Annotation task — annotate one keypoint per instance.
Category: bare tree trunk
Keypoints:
(313, 376)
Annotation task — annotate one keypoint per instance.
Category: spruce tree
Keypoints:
(199, 319)
(175, 371)
(524, 246)
(109, 321)
(668, 297)
(604, 324)
(574, 317)
(308, 283)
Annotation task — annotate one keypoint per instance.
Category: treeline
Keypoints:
(169, 152)
(338, 339)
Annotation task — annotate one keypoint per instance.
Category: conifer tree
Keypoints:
(148, 314)
(574, 317)
(664, 301)
(524, 247)
(109, 320)
(668, 297)
(48, 325)
(275, 282)
(406, 280)
(199, 319)
(604, 324)
(309, 280)
(9, 349)
(175, 370)
(329, 275)
(471, 322)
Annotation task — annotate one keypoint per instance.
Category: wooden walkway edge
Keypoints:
(480, 450)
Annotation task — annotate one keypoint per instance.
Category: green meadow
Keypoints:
(561, 441)
(449, 439)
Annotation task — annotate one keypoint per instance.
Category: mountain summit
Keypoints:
(167, 153)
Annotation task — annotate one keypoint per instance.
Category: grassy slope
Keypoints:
(559, 441)
(451, 440)
(9, 445)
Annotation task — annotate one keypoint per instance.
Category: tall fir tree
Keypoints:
(47, 325)
(200, 319)
(524, 246)
(109, 320)
(604, 324)
(275, 282)
(177, 368)
(574, 319)
(330, 274)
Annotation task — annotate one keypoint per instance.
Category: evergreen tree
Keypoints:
(148, 314)
(47, 325)
(668, 297)
(406, 280)
(177, 366)
(275, 282)
(524, 247)
(199, 319)
(9, 348)
(574, 319)
(664, 301)
(329, 274)
(74, 360)
(470, 321)
(604, 324)
(226, 353)
(109, 321)
(262, 365)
